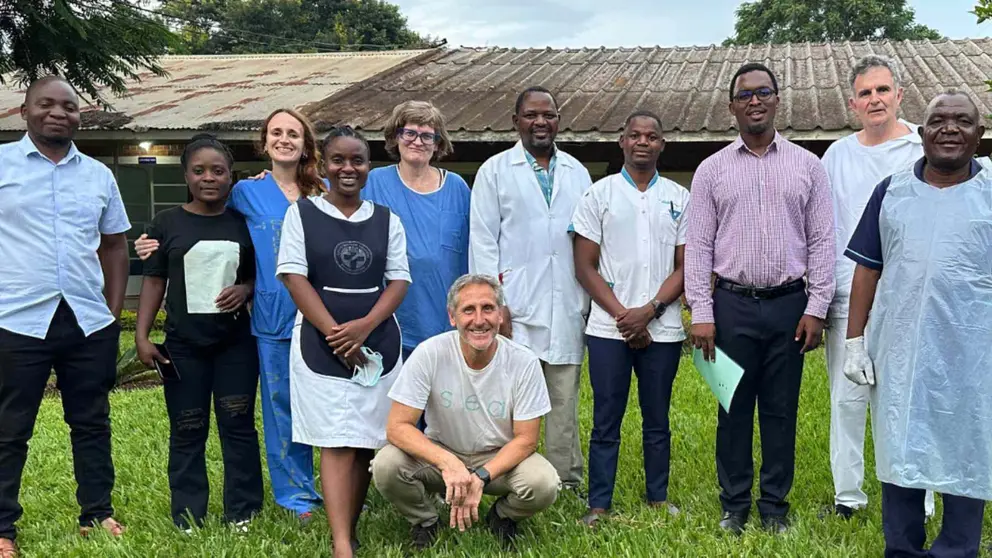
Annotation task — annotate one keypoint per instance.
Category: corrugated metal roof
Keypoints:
(223, 92)
(686, 86)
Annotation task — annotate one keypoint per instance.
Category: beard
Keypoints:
(757, 129)
(55, 141)
(477, 344)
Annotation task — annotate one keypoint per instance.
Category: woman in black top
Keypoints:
(207, 261)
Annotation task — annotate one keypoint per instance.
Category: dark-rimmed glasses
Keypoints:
(408, 135)
(762, 93)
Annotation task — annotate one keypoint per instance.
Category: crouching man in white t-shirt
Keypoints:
(484, 397)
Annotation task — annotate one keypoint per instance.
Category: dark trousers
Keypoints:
(903, 521)
(760, 336)
(86, 370)
(610, 364)
(228, 373)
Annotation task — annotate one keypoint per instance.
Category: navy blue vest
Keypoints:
(346, 264)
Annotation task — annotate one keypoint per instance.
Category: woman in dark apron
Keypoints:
(344, 263)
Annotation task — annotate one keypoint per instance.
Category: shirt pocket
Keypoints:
(454, 231)
(84, 214)
(272, 312)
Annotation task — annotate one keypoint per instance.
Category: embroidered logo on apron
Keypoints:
(352, 257)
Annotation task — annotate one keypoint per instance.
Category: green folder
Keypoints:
(723, 375)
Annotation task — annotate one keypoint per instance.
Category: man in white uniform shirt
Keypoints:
(522, 205)
(855, 164)
(630, 235)
(484, 396)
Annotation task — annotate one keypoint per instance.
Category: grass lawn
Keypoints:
(141, 497)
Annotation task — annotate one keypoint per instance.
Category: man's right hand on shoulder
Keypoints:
(145, 246)
(704, 338)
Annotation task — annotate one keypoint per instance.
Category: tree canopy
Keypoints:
(257, 26)
(820, 21)
(91, 43)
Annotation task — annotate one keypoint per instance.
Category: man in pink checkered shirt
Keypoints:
(762, 223)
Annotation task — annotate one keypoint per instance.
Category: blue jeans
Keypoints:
(290, 464)
(610, 364)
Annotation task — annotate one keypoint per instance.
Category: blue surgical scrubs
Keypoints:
(273, 312)
(436, 227)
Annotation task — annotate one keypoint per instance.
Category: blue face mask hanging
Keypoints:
(368, 375)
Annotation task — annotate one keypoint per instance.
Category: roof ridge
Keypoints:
(348, 54)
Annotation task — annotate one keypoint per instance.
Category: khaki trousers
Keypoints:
(561, 425)
(407, 483)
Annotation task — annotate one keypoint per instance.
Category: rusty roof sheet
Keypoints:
(686, 86)
(222, 92)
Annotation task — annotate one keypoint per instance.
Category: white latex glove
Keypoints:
(857, 365)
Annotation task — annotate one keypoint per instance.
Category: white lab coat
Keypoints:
(515, 236)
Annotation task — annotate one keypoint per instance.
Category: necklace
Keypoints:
(292, 192)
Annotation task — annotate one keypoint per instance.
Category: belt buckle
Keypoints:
(753, 293)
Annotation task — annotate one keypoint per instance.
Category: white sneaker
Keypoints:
(241, 526)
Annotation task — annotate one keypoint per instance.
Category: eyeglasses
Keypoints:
(408, 135)
(763, 93)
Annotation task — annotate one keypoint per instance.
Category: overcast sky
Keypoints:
(594, 23)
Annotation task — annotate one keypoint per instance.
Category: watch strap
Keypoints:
(482, 473)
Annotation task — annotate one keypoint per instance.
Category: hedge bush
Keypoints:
(129, 320)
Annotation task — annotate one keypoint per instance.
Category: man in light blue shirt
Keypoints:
(63, 273)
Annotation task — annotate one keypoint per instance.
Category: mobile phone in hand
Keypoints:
(166, 371)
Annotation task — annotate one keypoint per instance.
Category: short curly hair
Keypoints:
(421, 113)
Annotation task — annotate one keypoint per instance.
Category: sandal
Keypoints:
(8, 548)
(110, 525)
(592, 517)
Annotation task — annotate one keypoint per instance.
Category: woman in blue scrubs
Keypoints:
(433, 205)
(288, 140)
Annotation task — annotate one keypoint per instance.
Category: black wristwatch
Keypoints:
(659, 307)
(482, 473)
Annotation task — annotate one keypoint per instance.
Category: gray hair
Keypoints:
(473, 279)
(876, 61)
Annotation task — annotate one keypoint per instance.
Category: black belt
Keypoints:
(762, 292)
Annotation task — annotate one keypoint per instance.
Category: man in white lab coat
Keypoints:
(522, 204)
(855, 164)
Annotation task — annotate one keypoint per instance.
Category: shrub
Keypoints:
(131, 370)
(129, 320)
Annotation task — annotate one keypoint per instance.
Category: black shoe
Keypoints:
(839, 510)
(733, 522)
(777, 524)
(504, 528)
(424, 537)
(576, 490)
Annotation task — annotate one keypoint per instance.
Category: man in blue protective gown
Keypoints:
(924, 273)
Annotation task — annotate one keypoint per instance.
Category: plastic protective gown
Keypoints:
(930, 336)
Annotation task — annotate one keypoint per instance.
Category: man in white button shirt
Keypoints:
(63, 273)
(629, 247)
(855, 164)
(522, 204)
